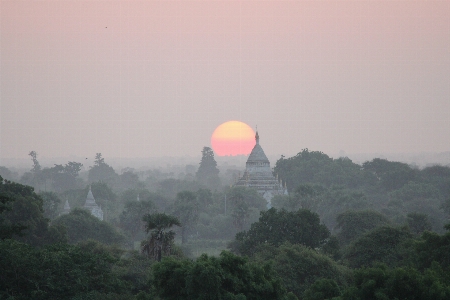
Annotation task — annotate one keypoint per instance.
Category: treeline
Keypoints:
(332, 186)
(346, 231)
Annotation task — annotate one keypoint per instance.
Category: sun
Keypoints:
(233, 138)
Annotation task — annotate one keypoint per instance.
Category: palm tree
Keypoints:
(160, 239)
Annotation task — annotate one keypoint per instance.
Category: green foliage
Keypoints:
(417, 197)
(59, 271)
(388, 245)
(391, 175)
(128, 180)
(81, 226)
(353, 224)
(433, 247)
(6, 173)
(317, 167)
(186, 208)
(131, 217)
(208, 173)
(337, 200)
(300, 267)
(51, 204)
(63, 177)
(205, 198)
(306, 196)
(160, 238)
(169, 188)
(439, 177)
(382, 283)
(418, 223)
(241, 201)
(101, 171)
(322, 289)
(277, 227)
(225, 277)
(21, 215)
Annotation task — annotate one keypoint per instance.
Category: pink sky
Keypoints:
(154, 78)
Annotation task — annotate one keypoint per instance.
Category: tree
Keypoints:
(322, 289)
(51, 204)
(418, 223)
(186, 208)
(6, 173)
(81, 225)
(317, 167)
(129, 180)
(208, 173)
(386, 244)
(391, 175)
(65, 177)
(58, 271)
(22, 216)
(242, 201)
(36, 166)
(433, 247)
(277, 227)
(417, 197)
(160, 238)
(381, 282)
(353, 224)
(225, 277)
(300, 267)
(131, 217)
(101, 171)
(205, 198)
(35, 177)
(8, 229)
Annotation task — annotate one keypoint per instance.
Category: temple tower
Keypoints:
(258, 174)
(92, 206)
(66, 209)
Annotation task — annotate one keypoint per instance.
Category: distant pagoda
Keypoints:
(66, 209)
(92, 206)
(258, 175)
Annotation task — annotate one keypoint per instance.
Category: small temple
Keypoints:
(258, 175)
(92, 206)
(66, 209)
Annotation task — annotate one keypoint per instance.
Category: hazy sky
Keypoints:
(154, 78)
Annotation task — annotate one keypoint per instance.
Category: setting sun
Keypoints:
(233, 138)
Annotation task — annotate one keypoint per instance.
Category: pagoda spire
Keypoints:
(257, 135)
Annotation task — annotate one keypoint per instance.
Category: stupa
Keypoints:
(258, 175)
(66, 209)
(92, 206)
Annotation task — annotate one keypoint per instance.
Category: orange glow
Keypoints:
(233, 138)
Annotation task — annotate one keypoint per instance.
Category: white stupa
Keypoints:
(92, 206)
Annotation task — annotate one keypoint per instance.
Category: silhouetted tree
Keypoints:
(187, 211)
(160, 238)
(208, 173)
(101, 171)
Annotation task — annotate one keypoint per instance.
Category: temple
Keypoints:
(258, 175)
(66, 209)
(92, 206)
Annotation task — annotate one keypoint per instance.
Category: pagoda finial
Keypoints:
(257, 135)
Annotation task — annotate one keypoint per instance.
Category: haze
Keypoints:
(155, 78)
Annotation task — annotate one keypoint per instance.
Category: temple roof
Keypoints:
(257, 154)
(66, 205)
(90, 201)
